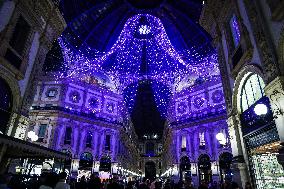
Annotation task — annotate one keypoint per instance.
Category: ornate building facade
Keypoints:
(248, 36)
(198, 115)
(85, 120)
(27, 30)
(221, 98)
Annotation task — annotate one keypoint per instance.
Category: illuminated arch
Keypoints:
(244, 73)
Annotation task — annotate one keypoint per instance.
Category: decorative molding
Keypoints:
(275, 91)
(268, 58)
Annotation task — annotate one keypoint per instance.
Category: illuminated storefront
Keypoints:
(268, 172)
(260, 135)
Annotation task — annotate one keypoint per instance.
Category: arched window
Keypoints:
(105, 164)
(86, 160)
(252, 90)
(204, 168)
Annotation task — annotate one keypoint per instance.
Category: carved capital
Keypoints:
(275, 91)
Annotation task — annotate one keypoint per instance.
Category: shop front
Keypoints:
(262, 143)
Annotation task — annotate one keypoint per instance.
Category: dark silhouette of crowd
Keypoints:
(60, 181)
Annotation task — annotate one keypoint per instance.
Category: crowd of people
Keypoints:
(60, 181)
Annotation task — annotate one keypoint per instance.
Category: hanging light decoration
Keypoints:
(142, 51)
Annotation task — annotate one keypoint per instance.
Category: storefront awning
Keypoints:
(17, 148)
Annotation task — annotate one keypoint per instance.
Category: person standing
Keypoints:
(94, 182)
(49, 181)
(82, 184)
(143, 185)
(61, 184)
(114, 184)
(168, 184)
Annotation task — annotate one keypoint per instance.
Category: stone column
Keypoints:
(59, 135)
(82, 142)
(178, 146)
(95, 143)
(275, 91)
(208, 141)
(239, 167)
(113, 145)
(215, 165)
(215, 143)
(188, 144)
(102, 142)
(75, 139)
(195, 145)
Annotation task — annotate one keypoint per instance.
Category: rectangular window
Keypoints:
(222, 138)
(68, 134)
(41, 132)
(201, 139)
(20, 35)
(89, 140)
(13, 59)
(183, 143)
(107, 143)
(235, 30)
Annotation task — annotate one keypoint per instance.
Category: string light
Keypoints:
(149, 55)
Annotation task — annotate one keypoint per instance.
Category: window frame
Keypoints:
(89, 143)
(243, 90)
(67, 141)
(5, 46)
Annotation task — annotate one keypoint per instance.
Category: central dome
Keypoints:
(143, 50)
(97, 24)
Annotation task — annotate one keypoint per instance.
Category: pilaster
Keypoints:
(239, 170)
(208, 141)
(239, 167)
(178, 146)
(113, 145)
(101, 144)
(95, 143)
(188, 144)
